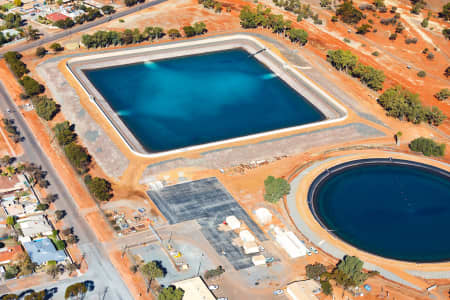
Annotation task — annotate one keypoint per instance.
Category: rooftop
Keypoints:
(303, 290)
(34, 225)
(13, 183)
(195, 289)
(8, 253)
(43, 250)
(56, 16)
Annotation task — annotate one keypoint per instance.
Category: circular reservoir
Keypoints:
(392, 208)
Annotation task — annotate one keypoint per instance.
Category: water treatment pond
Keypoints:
(392, 210)
(193, 100)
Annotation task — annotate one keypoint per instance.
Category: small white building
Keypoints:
(250, 248)
(263, 216)
(303, 290)
(233, 222)
(258, 260)
(35, 225)
(246, 236)
(290, 243)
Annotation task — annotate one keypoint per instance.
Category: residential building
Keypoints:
(7, 254)
(34, 226)
(42, 250)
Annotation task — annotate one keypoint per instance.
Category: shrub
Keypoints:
(427, 146)
(421, 74)
(15, 64)
(403, 104)
(342, 59)
(334, 19)
(45, 107)
(100, 188)
(393, 36)
(411, 41)
(214, 272)
(424, 23)
(42, 206)
(430, 56)
(445, 13)
(173, 33)
(442, 94)
(56, 47)
(376, 53)
(314, 271)
(78, 157)
(363, 29)
(399, 28)
(31, 86)
(275, 189)
(64, 24)
(108, 9)
(40, 51)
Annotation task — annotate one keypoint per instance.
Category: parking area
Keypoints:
(209, 203)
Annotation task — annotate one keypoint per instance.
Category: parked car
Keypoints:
(213, 287)
(261, 249)
(309, 253)
(278, 292)
(314, 250)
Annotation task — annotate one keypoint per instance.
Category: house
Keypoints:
(195, 289)
(56, 16)
(303, 290)
(34, 225)
(12, 184)
(7, 254)
(42, 250)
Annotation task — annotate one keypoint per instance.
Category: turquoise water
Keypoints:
(395, 211)
(193, 100)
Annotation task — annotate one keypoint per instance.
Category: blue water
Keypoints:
(399, 212)
(193, 100)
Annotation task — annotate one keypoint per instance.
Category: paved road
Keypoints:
(82, 27)
(100, 266)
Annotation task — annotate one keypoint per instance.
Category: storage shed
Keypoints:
(250, 248)
(258, 260)
(233, 222)
(263, 215)
(246, 236)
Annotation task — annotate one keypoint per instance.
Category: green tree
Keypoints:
(421, 74)
(30, 33)
(314, 271)
(425, 22)
(188, 31)
(298, 36)
(12, 20)
(398, 135)
(370, 76)
(327, 289)
(56, 47)
(41, 295)
(199, 28)
(445, 13)
(52, 269)
(348, 13)
(60, 214)
(442, 94)
(31, 86)
(76, 290)
(45, 107)
(275, 189)
(40, 51)
(363, 29)
(171, 293)
(15, 64)
(174, 33)
(78, 156)
(342, 59)
(17, 3)
(248, 18)
(427, 146)
(64, 133)
(9, 297)
(152, 270)
(100, 188)
(446, 33)
(348, 272)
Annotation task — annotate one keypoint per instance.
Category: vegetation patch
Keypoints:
(427, 146)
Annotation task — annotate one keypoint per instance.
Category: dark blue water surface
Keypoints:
(193, 100)
(395, 211)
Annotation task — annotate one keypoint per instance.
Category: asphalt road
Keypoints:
(82, 27)
(101, 269)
